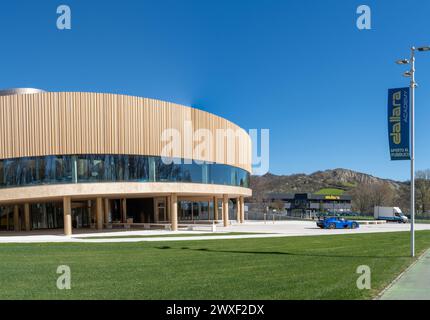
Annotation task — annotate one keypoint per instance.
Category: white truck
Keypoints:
(390, 214)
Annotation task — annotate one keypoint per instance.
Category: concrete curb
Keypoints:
(380, 294)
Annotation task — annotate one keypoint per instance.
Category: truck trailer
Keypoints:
(390, 214)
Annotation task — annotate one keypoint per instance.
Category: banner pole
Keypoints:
(413, 85)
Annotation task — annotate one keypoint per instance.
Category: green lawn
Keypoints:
(317, 267)
(330, 192)
(180, 235)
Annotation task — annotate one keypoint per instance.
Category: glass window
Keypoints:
(100, 168)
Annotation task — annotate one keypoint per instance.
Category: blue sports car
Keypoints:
(337, 223)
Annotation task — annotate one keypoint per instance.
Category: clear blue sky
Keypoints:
(300, 68)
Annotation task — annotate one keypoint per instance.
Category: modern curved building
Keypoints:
(94, 160)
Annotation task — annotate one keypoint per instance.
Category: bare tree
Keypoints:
(383, 194)
(403, 198)
(368, 195)
(422, 189)
(361, 198)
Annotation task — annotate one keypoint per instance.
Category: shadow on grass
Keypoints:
(282, 253)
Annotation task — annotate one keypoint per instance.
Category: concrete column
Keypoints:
(238, 208)
(67, 210)
(27, 217)
(124, 210)
(174, 211)
(242, 209)
(225, 217)
(99, 213)
(107, 211)
(16, 225)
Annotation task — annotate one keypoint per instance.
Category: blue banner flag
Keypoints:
(398, 123)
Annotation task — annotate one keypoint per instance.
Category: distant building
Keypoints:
(308, 204)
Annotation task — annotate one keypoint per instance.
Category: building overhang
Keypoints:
(113, 190)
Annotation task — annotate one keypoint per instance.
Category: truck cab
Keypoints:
(400, 217)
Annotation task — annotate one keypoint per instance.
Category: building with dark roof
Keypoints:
(309, 204)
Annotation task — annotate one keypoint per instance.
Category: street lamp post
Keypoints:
(413, 85)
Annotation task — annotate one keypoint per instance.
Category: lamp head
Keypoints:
(426, 48)
(402, 61)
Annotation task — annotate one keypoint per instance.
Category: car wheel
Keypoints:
(354, 225)
(332, 226)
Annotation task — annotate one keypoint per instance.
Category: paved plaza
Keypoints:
(200, 232)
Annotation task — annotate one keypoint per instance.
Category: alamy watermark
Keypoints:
(364, 280)
(225, 146)
(364, 20)
(64, 20)
(64, 281)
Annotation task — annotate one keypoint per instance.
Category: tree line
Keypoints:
(368, 195)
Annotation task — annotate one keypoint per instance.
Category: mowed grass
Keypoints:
(317, 267)
(179, 235)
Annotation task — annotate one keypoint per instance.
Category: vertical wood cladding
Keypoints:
(57, 123)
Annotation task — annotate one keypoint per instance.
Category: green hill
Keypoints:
(331, 192)
(330, 182)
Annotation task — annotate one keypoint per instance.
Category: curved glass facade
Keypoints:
(20, 172)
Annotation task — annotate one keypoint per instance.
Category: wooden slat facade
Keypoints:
(64, 123)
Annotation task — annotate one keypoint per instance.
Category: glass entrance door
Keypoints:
(46, 216)
(161, 212)
(81, 215)
(5, 218)
(185, 210)
(194, 210)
